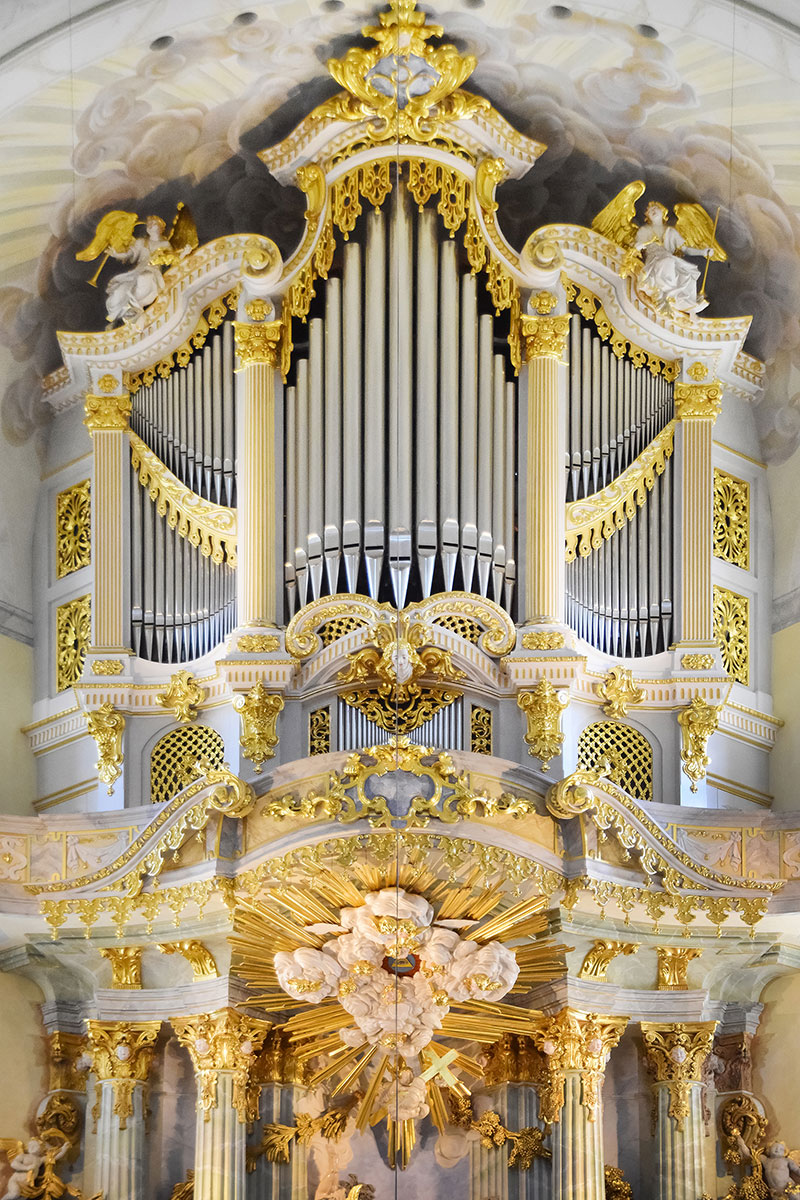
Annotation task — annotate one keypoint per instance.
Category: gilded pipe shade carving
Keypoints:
(732, 632)
(73, 631)
(731, 519)
(73, 529)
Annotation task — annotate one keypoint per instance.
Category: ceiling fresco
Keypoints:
(703, 102)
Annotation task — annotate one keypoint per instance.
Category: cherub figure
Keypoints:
(656, 249)
(778, 1166)
(130, 292)
(25, 1166)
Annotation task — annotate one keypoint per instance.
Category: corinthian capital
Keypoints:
(122, 1051)
(223, 1041)
(544, 337)
(698, 401)
(676, 1054)
(574, 1041)
(107, 412)
(257, 343)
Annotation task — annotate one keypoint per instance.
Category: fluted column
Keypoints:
(223, 1047)
(544, 339)
(676, 1054)
(107, 420)
(121, 1054)
(575, 1047)
(257, 580)
(697, 406)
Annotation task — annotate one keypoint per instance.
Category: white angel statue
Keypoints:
(130, 292)
(656, 249)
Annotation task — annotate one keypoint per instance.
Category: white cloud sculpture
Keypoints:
(396, 971)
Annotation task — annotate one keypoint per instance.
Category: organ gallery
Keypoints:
(402, 709)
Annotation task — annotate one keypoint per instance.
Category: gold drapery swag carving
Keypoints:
(122, 1052)
(676, 1054)
(224, 1041)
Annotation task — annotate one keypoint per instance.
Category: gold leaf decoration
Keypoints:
(731, 520)
(73, 631)
(259, 711)
(732, 632)
(73, 529)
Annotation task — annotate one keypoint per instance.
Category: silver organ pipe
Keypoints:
(445, 729)
(404, 384)
(183, 604)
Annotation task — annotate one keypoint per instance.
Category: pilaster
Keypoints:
(544, 339)
(107, 421)
(257, 590)
(676, 1054)
(697, 406)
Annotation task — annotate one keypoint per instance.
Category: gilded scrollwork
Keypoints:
(731, 519)
(602, 954)
(228, 1041)
(259, 711)
(543, 706)
(126, 966)
(574, 1041)
(732, 632)
(619, 692)
(73, 632)
(698, 720)
(183, 696)
(591, 309)
(123, 1053)
(673, 964)
(196, 954)
(73, 529)
(107, 725)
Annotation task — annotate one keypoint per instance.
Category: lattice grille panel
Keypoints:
(337, 628)
(628, 751)
(168, 758)
(462, 626)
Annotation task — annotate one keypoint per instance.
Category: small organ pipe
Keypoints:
(316, 466)
(448, 407)
(469, 428)
(352, 517)
(426, 433)
(333, 430)
(400, 364)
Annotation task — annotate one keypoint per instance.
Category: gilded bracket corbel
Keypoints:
(106, 726)
(543, 706)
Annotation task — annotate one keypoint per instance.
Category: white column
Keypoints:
(107, 421)
(697, 406)
(219, 1154)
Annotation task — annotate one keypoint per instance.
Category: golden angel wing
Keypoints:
(355, 1192)
(615, 221)
(698, 230)
(184, 231)
(114, 232)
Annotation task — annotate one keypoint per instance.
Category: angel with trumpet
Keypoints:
(130, 292)
(656, 249)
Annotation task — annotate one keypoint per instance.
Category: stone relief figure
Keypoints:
(779, 1165)
(656, 250)
(130, 292)
(25, 1166)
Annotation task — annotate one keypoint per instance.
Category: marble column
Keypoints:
(223, 1047)
(676, 1054)
(107, 421)
(121, 1053)
(281, 1081)
(513, 1064)
(257, 578)
(544, 339)
(697, 406)
(575, 1047)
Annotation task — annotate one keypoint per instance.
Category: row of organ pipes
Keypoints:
(400, 427)
(400, 443)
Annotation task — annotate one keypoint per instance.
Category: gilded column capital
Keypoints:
(574, 1041)
(676, 1054)
(544, 337)
(122, 1052)
(126, 966)
(224, 1041)
(698, 401)
(513, 1058)
(69, 1062)
(257, 343)
(104, 413)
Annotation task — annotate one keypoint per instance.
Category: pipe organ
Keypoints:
(619, 589)
(400, 423)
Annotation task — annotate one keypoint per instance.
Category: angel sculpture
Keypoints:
(130, 292)
(656, 249)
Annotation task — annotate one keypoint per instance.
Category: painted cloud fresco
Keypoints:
(148, 139)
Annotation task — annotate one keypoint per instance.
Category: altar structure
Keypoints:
(402, 683)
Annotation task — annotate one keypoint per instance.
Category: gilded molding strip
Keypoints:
(212, 528)
(212, 317)
(731, 519)
(73, 529)
(591, 309)
(599, 516)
